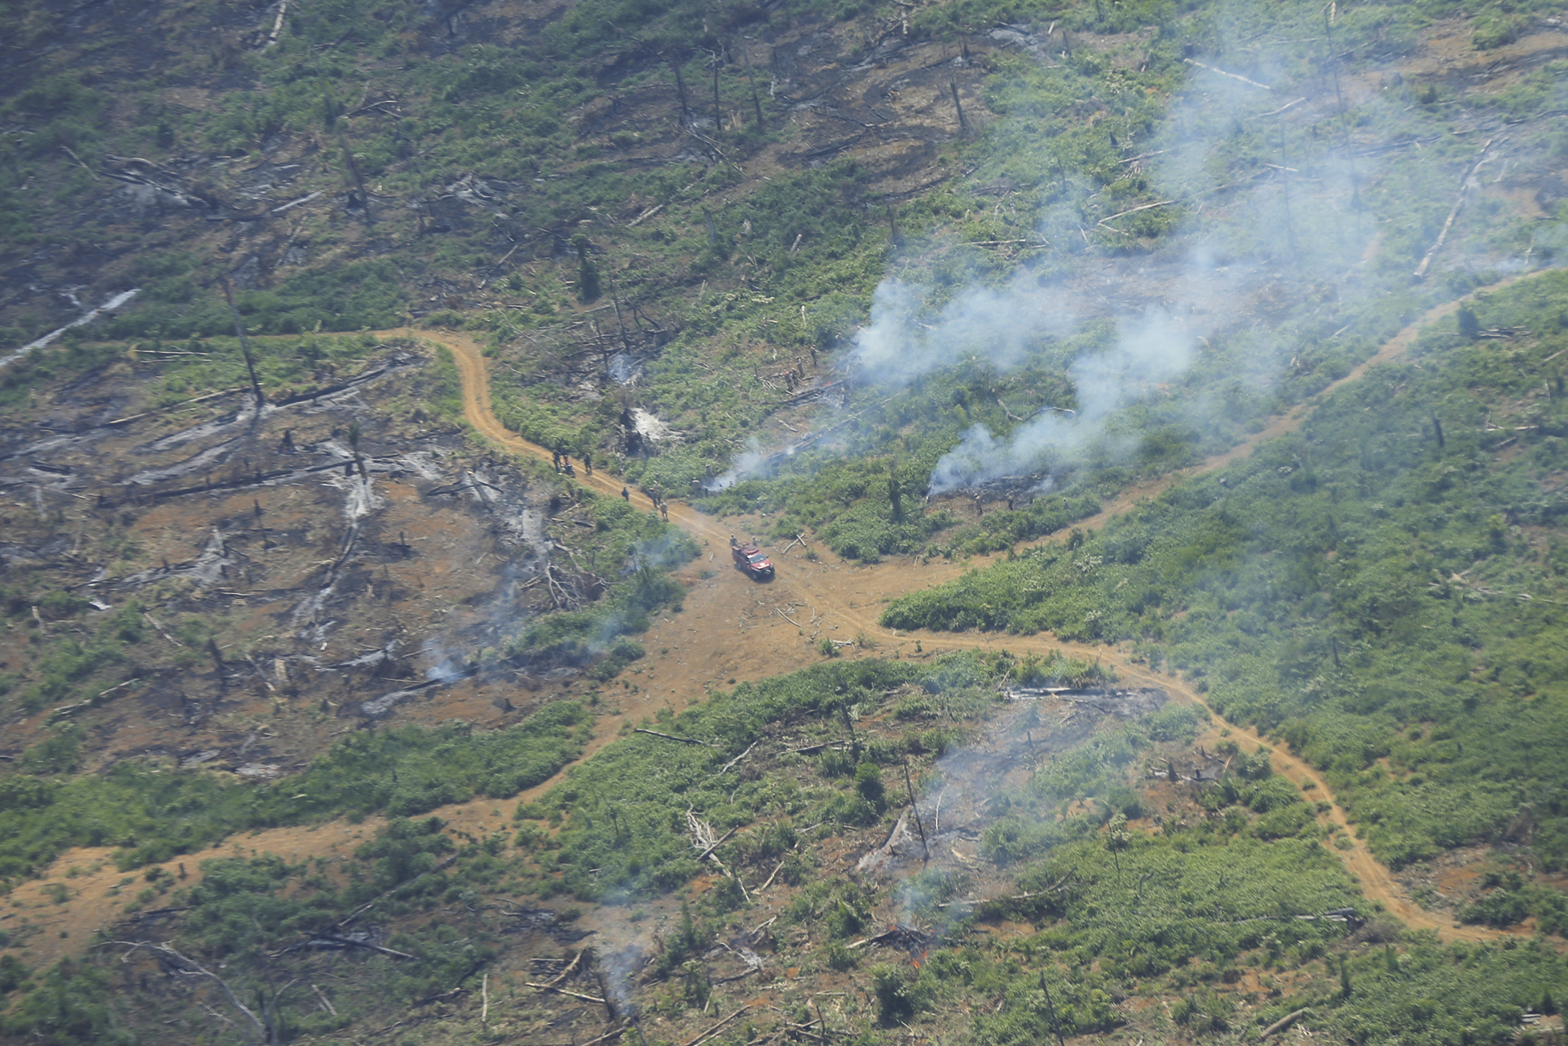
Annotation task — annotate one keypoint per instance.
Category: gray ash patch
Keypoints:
(549, 923)
(1124, 703)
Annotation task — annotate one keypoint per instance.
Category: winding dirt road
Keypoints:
(732, 629)
(849, 599)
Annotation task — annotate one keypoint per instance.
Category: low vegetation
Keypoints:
(151, 812)
(672, 266)
(1381, 590)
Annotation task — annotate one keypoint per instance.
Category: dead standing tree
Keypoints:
(680, 87)
(359, 181)
(239, 329)
(715, 60)
(756, 101)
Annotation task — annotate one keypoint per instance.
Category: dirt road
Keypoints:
(733, 629)
(849, 599)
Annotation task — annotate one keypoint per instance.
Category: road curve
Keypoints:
(857, 616)
(1375, 879)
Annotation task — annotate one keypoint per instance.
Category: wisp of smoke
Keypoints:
(996, 325)
(748, 464)
(1156, 348)
(444, 666)
(619, 967)
(624, 369)
(669, 550)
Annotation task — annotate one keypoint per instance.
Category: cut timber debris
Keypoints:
(1281, 1024)
(898, 936)
(672, 737)
(563, 991)
(1459, 202)
(1233, 76)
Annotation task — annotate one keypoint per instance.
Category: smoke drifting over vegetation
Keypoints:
(1155, 349)
(997, 326)
(1273, 666)
(1276, 214)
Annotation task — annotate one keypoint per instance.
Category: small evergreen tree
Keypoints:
(1469, 325)
(868, 782)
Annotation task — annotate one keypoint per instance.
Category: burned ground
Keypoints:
(230, 590)
(280, 570)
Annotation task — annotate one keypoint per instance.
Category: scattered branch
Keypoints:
(672, 737)
(715, 1029)
(80, 164)
(1233, 76)
(159, 629)
(1135, 210)
(738, 758)
(563, 991)
(190, 966)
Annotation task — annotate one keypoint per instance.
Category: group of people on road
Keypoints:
(563, 463)
(659, 504)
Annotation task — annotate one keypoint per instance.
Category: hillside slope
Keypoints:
(1090, 372)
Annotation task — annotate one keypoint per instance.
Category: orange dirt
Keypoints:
(835, 597)
(770, 629)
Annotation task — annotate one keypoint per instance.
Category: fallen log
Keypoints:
(1281, 1024)
(715, 1029)
(294, 203)
(181, 405)
(738, 758)
(349, 942)
(362, 909)
(1132, 210)
(563, 991)
(1464, 191)
(716, 844)
(672, 737)
(1233, 76)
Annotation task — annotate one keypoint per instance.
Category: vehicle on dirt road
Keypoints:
(749, 559)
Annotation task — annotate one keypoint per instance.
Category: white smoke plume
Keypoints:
(1304, 198)
(1254, 242)
(1157, 349)
(747, 464)
(998, 326)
